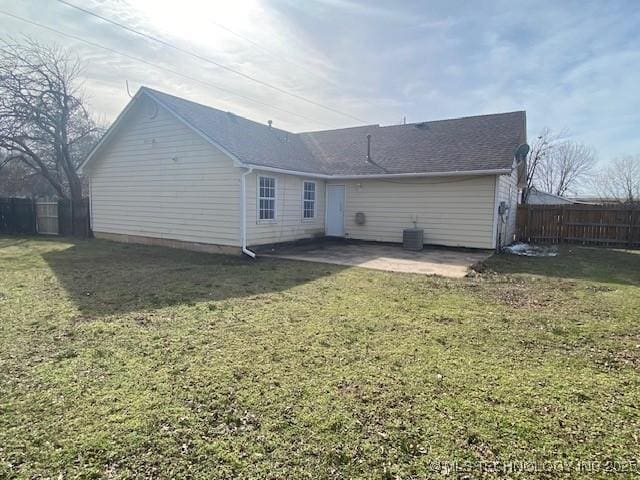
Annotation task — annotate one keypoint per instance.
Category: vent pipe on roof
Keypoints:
(369, 159)
(269, 122)
(369, 148)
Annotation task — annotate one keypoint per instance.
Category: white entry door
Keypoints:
(335, 211)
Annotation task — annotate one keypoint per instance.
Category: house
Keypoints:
(539, 197)
(597, 200)
(173, 172)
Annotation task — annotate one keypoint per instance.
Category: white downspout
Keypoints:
(243, 214)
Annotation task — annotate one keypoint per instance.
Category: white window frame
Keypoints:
(315, 201)
(275, 200)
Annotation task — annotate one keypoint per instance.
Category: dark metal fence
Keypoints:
(17, 215)
(20, 216)
(73, 218)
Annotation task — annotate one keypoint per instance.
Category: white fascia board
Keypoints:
(502, 171)
(455, 173)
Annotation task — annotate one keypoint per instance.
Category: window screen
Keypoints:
(267, 198)
(309, 200)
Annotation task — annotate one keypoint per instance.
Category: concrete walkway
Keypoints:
(430, 261)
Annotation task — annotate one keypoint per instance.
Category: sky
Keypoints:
(572, 65)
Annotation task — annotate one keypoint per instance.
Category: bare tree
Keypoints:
(568, 165)
(541, 148)
(620, 180)
(43, 123)
(18, 180)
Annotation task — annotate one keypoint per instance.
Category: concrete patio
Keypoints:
(447, 262)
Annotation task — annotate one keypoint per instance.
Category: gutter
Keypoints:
(494, 220)
(500, 171)
(243, 214)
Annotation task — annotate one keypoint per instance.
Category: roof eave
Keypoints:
(452, 173)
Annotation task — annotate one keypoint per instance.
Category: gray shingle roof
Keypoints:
(485, 142)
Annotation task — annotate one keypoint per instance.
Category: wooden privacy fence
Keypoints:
(47, 218)
(60, 217)
(604, 225)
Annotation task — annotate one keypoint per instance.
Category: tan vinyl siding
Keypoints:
(508, 192)
(289, 224)
(157, 178)
(453, 211)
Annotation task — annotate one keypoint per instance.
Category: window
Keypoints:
(309, 200)
(266, 198)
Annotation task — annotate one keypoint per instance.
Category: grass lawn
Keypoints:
(122, 361)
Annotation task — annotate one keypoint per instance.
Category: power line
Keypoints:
(213, 62)
(279, 57)
(270, 52)
(160, 67)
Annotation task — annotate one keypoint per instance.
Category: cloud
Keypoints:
(367, 9)
(570, 64)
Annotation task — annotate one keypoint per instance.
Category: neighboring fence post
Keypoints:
(562, 235)
(79, 217)
(630, 216)
(73, 218)
(35, 215)
(62, 217)
(12, 215)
